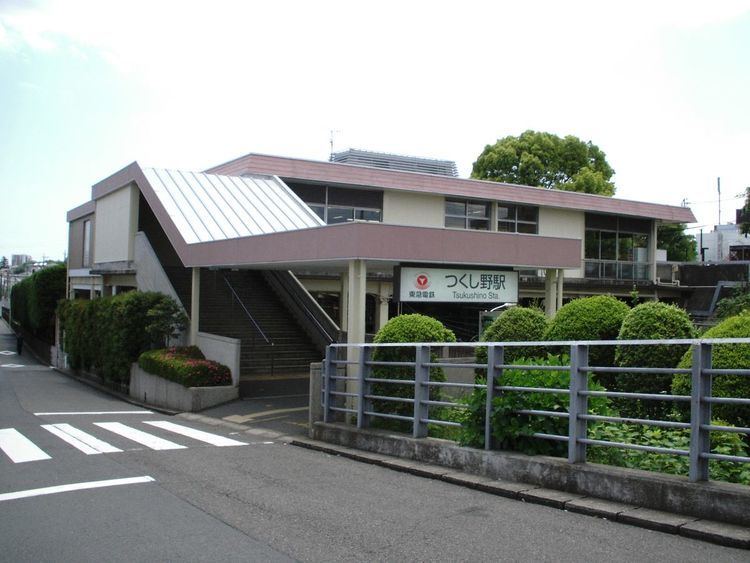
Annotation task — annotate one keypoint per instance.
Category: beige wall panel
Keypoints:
(115, 225)
(564, 223)
(419, 210)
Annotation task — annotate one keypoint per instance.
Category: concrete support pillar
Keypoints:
(381, 314)
(560, 278)
(652, 251)
(550, 292)
(106, 290)
(92, 292)
(356, 319)
(355, 324)
(195, 306)
(344, 301)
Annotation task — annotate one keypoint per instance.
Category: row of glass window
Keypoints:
(342, 213)
(477, 215)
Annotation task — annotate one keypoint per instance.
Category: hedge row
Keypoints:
(34, 299)
(107, 335)
(186, 366)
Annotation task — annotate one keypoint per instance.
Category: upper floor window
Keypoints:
(513, 218)
(339, 205)
(467, 214)
(86, 244)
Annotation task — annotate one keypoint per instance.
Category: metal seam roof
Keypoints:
(212, 207)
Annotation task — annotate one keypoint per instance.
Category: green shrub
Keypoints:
(186, 366)
(405, 328)
(724, 356)
(513, 431)
(33, 301)
(107, 335)
(725, 443)
(590, 318)
(517, 324)
(738, 302)
(650, 321)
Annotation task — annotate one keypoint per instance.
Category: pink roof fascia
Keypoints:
(81, 211)
(350, 175)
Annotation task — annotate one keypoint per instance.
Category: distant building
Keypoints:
(20, 259)
(725, 244)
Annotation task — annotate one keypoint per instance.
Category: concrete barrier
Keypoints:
(712, 500)
(223, 350)
(160, 392)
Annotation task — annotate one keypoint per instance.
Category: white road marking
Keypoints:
(89, 412)
(207, 437)
(18, 447)
(7, 353)
(87, 443)
(143, 438)
(75, 487)
(11, 365)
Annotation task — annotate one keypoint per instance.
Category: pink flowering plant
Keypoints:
(185, 365)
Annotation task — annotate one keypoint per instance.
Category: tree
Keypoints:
(3, 263)
(542, 159)
(744, 218)
(680, 246)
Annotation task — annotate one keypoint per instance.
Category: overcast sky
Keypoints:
(86, 87)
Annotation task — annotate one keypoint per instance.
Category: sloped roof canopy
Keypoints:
(208, 207)
(258, 222)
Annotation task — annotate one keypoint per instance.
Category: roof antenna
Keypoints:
(330, 141)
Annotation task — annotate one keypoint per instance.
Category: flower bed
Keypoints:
(186, 366)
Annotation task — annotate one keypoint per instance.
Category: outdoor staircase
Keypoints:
(275, 355)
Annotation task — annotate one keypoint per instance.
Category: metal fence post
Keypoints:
(495, 356)
(700, 413)
(579, 381)
(328, 369)
(365, 353)
(421, 390)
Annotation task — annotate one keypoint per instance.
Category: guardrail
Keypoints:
(352, 395)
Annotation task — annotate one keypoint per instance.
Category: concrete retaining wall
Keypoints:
(161, 392)
(725, 502)
(223, 350)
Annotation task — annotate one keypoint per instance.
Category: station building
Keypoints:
(280, 256)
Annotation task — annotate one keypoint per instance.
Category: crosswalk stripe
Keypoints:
(87, 443)
(144, 438)
(19, 448)
(207, 437)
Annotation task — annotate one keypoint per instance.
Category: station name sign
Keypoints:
(440, 285)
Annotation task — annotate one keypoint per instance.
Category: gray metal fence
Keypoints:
(348, 381)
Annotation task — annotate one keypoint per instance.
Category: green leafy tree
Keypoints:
(542, 159)
(680, 246)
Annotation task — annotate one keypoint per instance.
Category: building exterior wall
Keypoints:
(718, 241)
(116, 224)
(418, 210)
(565, 223)
(75, 242)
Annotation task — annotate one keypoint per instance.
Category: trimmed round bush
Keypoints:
(724, 356)
(590, 318)
(650, 321)
(404, 328)
(517, 324)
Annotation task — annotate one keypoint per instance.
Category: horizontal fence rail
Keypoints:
(349, 388)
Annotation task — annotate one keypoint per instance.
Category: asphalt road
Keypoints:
(259, 501)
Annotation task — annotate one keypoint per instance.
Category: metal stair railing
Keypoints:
(253, 321)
